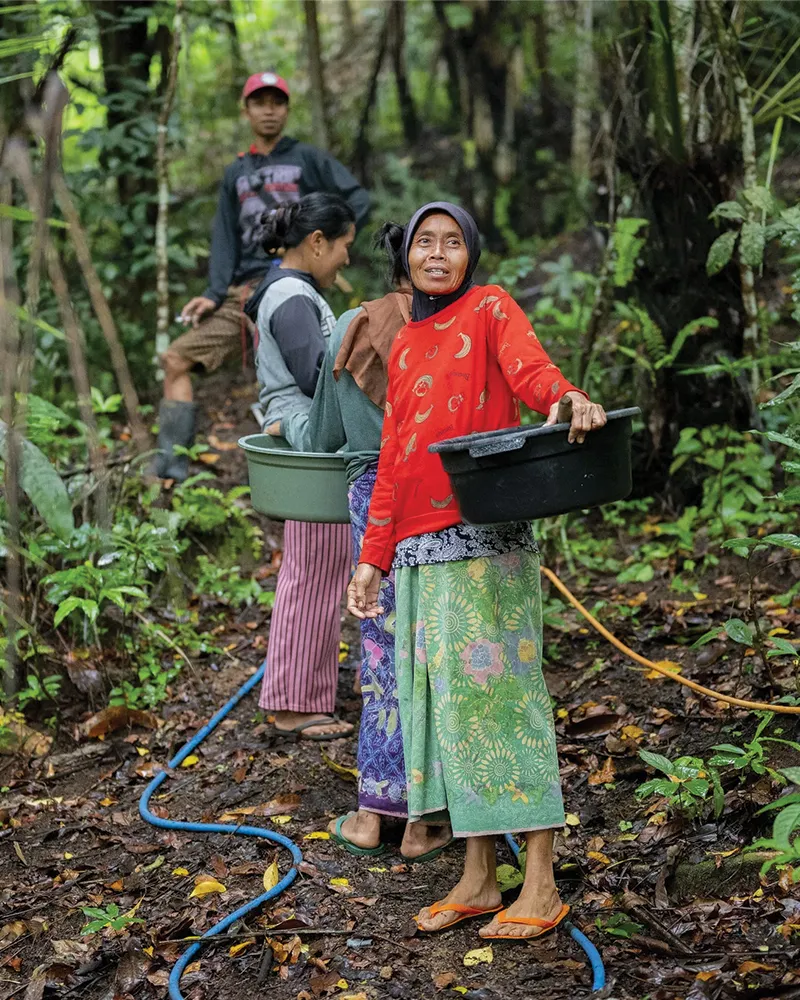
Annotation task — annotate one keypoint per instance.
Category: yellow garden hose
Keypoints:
(759, 706)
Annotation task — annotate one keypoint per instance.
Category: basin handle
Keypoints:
(496, 447)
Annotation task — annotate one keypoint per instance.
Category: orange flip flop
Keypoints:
(467, 913)
(545, 925)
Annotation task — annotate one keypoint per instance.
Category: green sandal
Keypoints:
(428, 856)
(348, 845)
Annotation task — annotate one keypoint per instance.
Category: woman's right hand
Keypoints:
(364, 591)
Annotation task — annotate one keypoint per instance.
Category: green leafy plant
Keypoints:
(688, 783)
(618, 925)
(109, 916)
(229, 585)
(785, 824)
(35, 690)
(753, 755)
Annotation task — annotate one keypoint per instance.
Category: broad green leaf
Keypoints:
(24, 214)
(787, 800)
(739, 632)
(751, 245)
(759, 197)
(778, 438)
(783, 541)
(792, 773)
(44, 487)
(66, 607)
(784, 825)
(721, 251)
(788, 392)
(657, 761)
(728, 210)
(792, 495)
(782, 647)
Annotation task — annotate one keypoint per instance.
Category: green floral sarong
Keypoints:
(477, 724)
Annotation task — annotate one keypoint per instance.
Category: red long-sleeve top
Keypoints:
(460, 372)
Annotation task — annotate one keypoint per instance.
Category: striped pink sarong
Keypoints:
(303, 651)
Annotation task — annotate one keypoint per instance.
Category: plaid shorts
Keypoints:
(221, 335)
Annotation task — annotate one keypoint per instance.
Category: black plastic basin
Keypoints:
(523, 473)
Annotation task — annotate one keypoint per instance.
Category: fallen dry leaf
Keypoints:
(19, 738)
(271, 876)
(670, 665)
(317, 835)
(236, 949)
(348, 773)
(605, 775)
(479, 956)
(205, 885)
(116, 717)
(444, 979)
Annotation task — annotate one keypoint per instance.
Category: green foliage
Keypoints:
(784, 825)
(35, 690)
(43, 486)
(688, 783)
(108, 916)
(618, 925)
(229, 585)
(627, 245)
(752, 755)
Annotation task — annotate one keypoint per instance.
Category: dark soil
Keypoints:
(72, 838)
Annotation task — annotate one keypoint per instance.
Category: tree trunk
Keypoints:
(729, 45)
(361, 150)
(408, 113)
(12, 676)
(455, 86)
(101, 308)
(581, 147)
(317, 74)
(162, 170)
(547, 104)
(238, 65)
(127, 53)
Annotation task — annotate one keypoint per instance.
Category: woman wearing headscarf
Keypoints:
(478, 729)
(346, 416)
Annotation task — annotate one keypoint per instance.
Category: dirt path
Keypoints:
(72, 839)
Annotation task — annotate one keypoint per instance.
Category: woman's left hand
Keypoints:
(274, 430)
(583, 415)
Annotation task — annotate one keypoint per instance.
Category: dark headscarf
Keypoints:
(424, 306)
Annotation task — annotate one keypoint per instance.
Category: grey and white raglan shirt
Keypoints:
(293, 324)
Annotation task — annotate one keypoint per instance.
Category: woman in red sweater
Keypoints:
(477, 725)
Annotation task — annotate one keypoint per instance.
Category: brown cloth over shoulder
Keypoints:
(367, 342)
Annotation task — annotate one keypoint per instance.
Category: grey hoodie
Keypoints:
(293, 325)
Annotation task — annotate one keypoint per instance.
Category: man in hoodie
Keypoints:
(275, 170)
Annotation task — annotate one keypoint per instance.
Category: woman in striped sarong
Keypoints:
(346, 416)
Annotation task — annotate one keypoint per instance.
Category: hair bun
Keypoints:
(275, 226)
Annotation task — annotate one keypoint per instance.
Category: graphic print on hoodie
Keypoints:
(254, 182)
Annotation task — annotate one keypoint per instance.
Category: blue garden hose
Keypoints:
(276, 838)
(596, 962)
(243, 831)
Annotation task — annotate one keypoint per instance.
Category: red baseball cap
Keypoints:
(260, 81)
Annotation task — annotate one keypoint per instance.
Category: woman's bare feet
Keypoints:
(420, 838)
(286, 722)
(538, 898)
(477, 888)
(527, 905)
(361, 828)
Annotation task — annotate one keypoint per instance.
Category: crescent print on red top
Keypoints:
(462, 388)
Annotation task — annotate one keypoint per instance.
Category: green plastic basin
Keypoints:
(289, 485)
